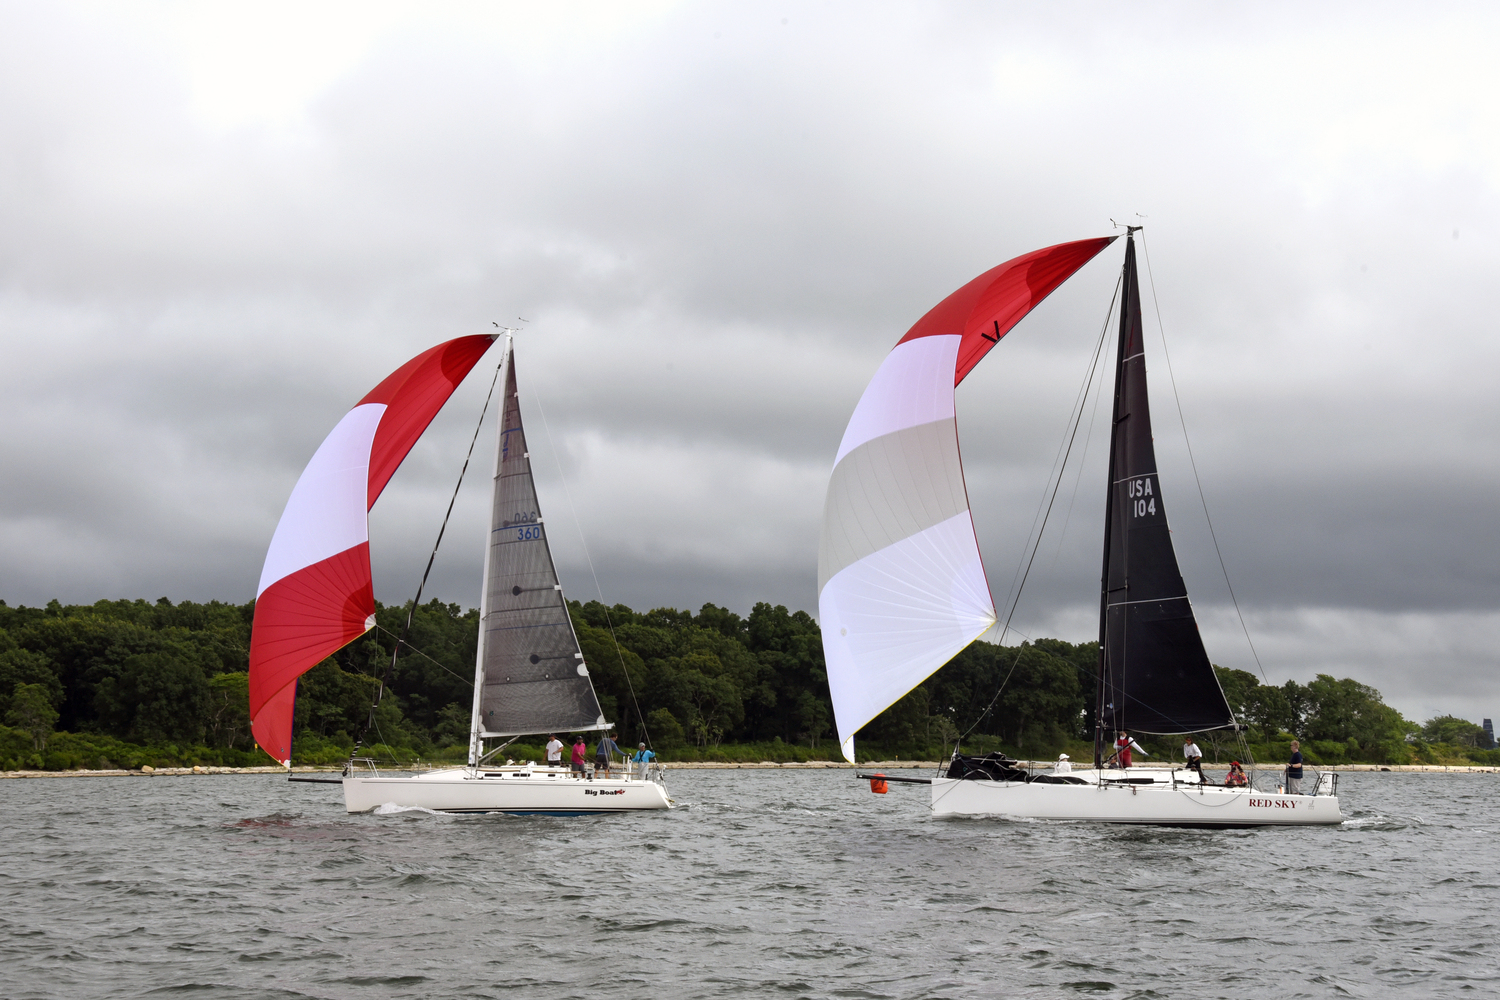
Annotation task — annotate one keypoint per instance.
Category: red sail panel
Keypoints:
(300, 620)
(315, 591)
(988, 307)
(413, 394)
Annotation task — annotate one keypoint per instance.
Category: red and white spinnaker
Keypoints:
(901, 588)
(315, 594)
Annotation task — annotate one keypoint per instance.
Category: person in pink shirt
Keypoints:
(579, 754)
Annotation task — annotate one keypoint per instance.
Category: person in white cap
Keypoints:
(1063, 765)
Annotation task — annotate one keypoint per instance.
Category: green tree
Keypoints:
(1239, 688)
(332, 700)
(1041, 702)
(156, 697)
(22, 666)
(1453, 731)
(1345, 710)
(31, 711)
(665, 730)
(904, 724)
(228, 718)
(1270, 711)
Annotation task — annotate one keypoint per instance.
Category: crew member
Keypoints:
(1123, 745)
(1294, 770)
(1236, 776)
(604, 754)
(1194, 756)
(554, 750)
(641, 758)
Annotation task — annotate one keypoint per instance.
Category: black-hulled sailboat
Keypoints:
(902, 586)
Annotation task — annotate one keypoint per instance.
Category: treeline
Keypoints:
(125, 683)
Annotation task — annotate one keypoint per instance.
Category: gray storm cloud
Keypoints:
(224, 225)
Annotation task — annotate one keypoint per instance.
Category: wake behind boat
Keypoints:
(530, 677)
(902, 587)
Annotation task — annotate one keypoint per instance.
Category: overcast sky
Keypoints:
(223, 224)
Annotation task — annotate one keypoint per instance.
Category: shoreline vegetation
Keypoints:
(118, 685)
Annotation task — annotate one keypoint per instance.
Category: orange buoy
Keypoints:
(878, 784)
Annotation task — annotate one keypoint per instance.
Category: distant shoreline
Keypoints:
(765, 765)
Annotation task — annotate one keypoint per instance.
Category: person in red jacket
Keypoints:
(1123, 745)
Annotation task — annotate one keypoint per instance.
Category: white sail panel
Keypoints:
(892, 618)
(914, 385)
(327, 511)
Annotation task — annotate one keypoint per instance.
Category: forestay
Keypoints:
(532, 674)
(901, 587)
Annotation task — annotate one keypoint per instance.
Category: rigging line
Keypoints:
(1059, 461)
(1072, 437)
(1087, 440)
(1194, 463)
(412, 612)
(390, 751)
(608, 620)
(414, 649)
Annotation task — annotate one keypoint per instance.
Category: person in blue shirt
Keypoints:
(1294, 770)
(641, 758)
(604, 754)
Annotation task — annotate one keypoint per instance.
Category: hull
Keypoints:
(520, 790)
(1161, 803)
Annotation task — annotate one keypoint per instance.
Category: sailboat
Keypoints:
(530, 676)
(902, 587)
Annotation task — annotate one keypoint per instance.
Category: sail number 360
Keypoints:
(1141, 500)
(528, 532)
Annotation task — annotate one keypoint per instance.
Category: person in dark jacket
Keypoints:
(1294, 770)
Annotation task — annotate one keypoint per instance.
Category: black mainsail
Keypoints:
(531, 670)
(1154, 674)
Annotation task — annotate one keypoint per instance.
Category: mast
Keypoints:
(476, 747)
(1129, 303)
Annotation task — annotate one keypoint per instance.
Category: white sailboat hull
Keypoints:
(521, 790)
(1162, 803)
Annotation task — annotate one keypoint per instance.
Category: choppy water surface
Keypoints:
(766, 883)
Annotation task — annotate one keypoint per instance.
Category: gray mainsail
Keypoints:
(532, 675)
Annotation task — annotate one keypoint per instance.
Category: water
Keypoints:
(767, 883)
